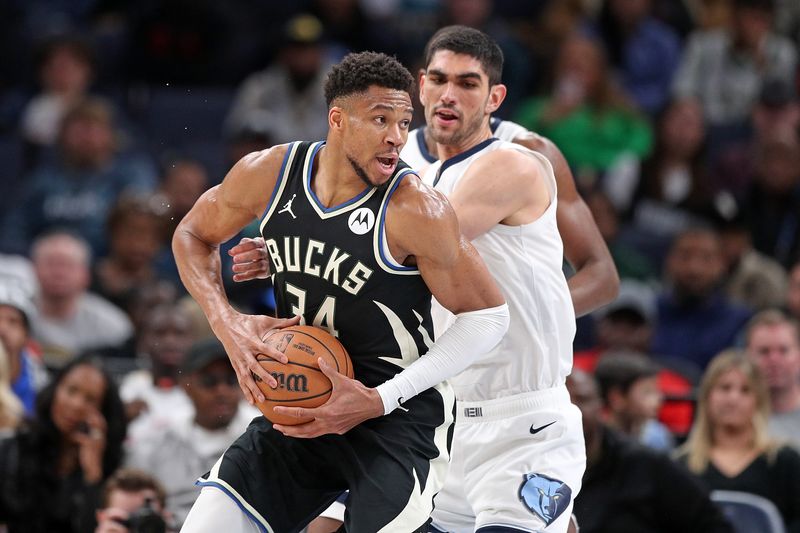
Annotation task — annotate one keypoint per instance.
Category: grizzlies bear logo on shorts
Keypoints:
(545, 497)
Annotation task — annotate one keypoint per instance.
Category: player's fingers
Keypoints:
(329, 371)
(245, 277)
(259, 373)
(295, 412)
(246, 244)
(269, 350)
(248, 256)
(253, 266)
(286, 322)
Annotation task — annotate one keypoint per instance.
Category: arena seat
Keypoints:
(749, 513)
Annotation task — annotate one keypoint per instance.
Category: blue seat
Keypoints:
(749, 513)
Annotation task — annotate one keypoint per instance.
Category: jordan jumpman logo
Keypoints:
(288, 207)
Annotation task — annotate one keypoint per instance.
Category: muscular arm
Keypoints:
(422, 226)
(595, 282)
(217, 216)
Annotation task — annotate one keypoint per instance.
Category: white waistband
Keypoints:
(481, 411)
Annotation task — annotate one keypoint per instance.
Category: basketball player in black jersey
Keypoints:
(357, 245)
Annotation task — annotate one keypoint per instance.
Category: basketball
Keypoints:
(300, 381)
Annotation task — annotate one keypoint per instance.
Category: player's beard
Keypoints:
(458, 136)
(360, 172)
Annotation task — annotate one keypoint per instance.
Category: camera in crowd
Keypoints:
(145, 519)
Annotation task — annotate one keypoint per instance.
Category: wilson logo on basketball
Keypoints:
(291, 382)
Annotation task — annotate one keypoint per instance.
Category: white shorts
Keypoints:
(516, 461)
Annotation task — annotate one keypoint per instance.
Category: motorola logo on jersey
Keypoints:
(361, 221)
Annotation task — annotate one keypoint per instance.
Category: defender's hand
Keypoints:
(241, 335)
(249, 260)
(351, 403)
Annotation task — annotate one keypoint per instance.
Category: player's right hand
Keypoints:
(249, 260)
(241, 336)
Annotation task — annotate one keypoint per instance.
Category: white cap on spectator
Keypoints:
(13, 296)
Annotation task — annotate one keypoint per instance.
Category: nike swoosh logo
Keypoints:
(534, 430)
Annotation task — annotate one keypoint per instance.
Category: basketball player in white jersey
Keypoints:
(518, 451)
(518, 447)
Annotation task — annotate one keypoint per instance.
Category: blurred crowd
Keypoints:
(680, 120)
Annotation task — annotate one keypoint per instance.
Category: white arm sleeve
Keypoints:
(472, 334)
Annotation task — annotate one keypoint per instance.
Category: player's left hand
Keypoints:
(351, 403)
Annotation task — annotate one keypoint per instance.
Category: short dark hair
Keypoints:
(133, 480)
(357, 72)
(620, 370)
(472, 42)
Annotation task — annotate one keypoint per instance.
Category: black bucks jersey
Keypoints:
(332, 266)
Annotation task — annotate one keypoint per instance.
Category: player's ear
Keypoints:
(335, 118)
(497, 93)
(421, 85)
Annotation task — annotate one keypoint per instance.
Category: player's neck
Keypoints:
(447, 151)
(333, 179)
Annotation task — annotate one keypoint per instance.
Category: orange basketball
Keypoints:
(300, 381)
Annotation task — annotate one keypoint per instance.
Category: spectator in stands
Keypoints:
(695, 320)
(626, 324)
(672, 190)
(78, 188)
(628, 488)
(11, 410)
(776, 112)
(629, 388)
(725, 68)
(153, 397)
(65, 73)
(192, 443)
(729, 446)
(26, 372)
(752, 278)
(69, 319)
(644, 51)
(288, 95)
(137, 230)
(773, 202)
(587, 116)
(54, 466)
(773, 342)
(128, 492)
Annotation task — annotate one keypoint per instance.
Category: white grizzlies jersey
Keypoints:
(416, 154)
(536, 352)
